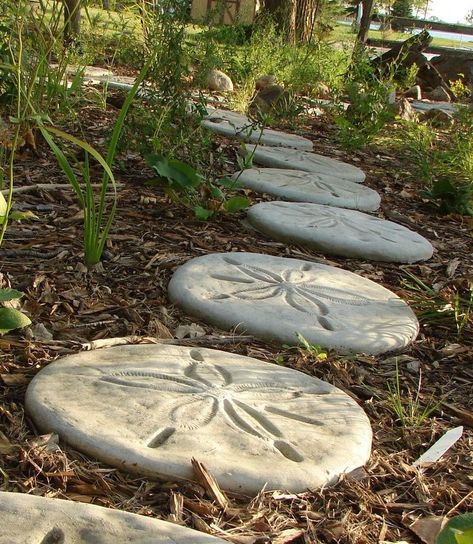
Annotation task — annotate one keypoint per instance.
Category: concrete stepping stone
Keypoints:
(310, 187)
(29, 519)
(275, 298)
(294, 159)
(236, 125)
(336, 231)
(421, 105)
(152, 408)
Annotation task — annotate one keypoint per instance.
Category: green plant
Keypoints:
(307, 348)
(406, 405)
(458, 530)
(369, 108)
(459, 89)
(433, 306)
(204, 196)
(11, 318)
(97, 224)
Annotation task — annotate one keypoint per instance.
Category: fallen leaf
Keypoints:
(427, 529)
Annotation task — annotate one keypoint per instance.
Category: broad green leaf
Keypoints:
(215, 192)
(12, 319)
(3, 207)
(459, 530)
(236, 203)
(9, 294)
(230, 183)
(175, 171)
(202, 213)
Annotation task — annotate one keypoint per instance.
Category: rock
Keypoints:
(189, 331)
(219, 81)
(421, 105)
(235, 125)
(414, 92)
(455, 66)
(437, 117)
(334, 231)
(276, 298)
(309, 187)
(150, 409)
(403, 109)
(265, 81)
(27, 518)
(323, 91)
(270, 98)
(439, 94)
(294, 159)
(41, 333)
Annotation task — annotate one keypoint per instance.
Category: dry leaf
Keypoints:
(427, 529)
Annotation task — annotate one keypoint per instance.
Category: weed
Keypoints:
(308, 349)
(407, 405)
(434, 306)
(11, 318)
(204, 196)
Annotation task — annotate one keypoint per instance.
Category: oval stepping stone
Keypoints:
(340, 232)
(152, 408)
(28, 519)
(310, 187)
(233, 125)
(294, 159)
(275, 298)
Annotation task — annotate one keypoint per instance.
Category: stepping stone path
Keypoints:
(151, 408)
(28, 519)
(421, 105)
(275, 298)
(294, 159)
(310, 187)
(339, 232)
(235, 125)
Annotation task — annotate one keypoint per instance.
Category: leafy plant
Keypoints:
(205, 197)
(10, 318)
(97, 224)
(458, 530)
(307, 348)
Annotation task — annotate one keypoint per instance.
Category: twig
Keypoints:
(48, 187)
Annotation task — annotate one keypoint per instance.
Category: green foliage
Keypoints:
(369, 110)
(434, 307)
(402, 8)
(406, 405)
(11, 319)
(443, 160)
(205, 197)
(307, 348)
(458, 530)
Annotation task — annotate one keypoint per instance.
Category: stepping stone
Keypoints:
(340, 232)
(28, 519)
(275, 298)
(235, 125)
(152, 408)
(310, 187)
(420, 105)
(294, 159)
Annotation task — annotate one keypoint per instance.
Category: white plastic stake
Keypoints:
(442, 445)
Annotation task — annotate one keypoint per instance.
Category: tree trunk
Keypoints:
(71, 21)
(365, 22)
(283, 13)
(106, 4)
(306, 15)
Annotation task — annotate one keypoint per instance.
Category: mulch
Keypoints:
(126, 297)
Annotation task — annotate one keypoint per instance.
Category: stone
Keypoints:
(437, 117)
(404, 110)
(295, 159)
(439, 94)
(28, 518)
(236, 125)
(265, 81)
(275, 298)
(414, 92)
(219, 81)
(424, 105)
(270, 98)
(150, 409)
(309, 187)
(323, 91)
(334, 231)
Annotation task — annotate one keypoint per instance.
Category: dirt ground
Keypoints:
(127, 297)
